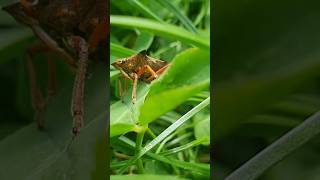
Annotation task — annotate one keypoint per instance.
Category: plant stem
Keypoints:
(278, 150)
(151, 133)
(139, 141)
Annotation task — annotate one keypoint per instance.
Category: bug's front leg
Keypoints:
(52, 84)
(37, 99)
(134, 88)
(120, 88)
(161, 70)
(81, 48)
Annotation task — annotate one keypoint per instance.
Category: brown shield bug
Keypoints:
(139, 67)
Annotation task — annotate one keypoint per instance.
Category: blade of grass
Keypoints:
(161, 29)
(184, 19)
(194, 167)
(167, 132)
(278, 150)
(186, 146)
(120, 51)
(202, 13)
(144, 9)
(179, 139)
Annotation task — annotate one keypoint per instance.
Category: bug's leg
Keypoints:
(125, 86)
(38, 102)
(120, 90)
(53, 46)
(147, 68)
(161, 70)
(52, 87)
(81, 48)
(134, 88)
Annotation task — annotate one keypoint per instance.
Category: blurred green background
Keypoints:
(266, 82)
(26, 152)
(16, 110)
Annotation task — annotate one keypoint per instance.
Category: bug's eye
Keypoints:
(122, 61)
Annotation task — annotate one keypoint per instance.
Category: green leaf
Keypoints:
(124, 115)
(178, 83)
(187, 75)
(161, 29)
(139, 177)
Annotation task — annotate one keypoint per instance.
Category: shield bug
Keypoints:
(139, 67)
(76, 30)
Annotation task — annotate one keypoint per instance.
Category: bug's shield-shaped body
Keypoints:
(139, 67)
(135, 64)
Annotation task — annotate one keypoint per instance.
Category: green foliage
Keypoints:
(138, 177)
(201, 129)
(266, 83)
(163, 111)
(188, 74)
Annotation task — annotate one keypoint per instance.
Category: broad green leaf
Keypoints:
(188, 74)
(41, 155)
(124, 115)
(139, 177)
(161, 29)
(172, 88)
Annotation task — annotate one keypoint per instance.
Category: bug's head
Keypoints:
(119, 63)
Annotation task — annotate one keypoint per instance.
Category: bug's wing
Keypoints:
(156, 64)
